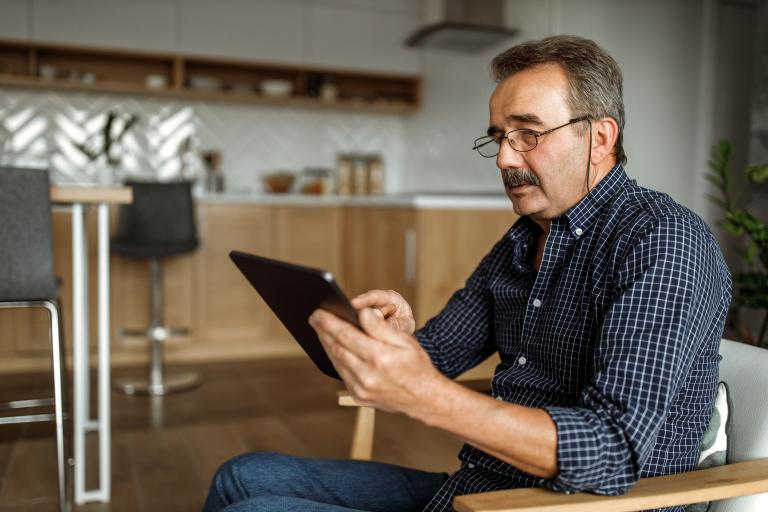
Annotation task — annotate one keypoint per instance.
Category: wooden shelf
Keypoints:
(32, 65)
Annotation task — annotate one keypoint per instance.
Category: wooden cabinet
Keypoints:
(379, 250)
(230, 313)
(450, 245)
(37, 65)
(232, 319)
(308, 235)
(424, 254)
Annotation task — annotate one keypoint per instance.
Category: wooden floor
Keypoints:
(166, 449)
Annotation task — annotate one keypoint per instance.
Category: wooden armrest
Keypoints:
(729, 481)
(345, 399)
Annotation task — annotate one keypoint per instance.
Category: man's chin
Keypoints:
(523, 202)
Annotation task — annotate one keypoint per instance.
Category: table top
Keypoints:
(85, 194)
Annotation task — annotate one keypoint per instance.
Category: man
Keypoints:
(605, 301)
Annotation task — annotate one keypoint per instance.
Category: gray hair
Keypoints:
(594, 76)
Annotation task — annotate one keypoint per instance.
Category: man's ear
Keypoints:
(604, 134)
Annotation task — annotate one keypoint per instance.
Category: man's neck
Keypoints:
(544, 224)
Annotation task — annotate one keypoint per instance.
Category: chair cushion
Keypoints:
(714, 444)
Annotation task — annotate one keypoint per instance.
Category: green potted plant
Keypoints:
(104, 148)
(750, 286)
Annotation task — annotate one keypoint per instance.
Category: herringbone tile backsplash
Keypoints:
(42, 128)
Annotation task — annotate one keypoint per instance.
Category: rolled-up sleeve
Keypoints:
(667, 286)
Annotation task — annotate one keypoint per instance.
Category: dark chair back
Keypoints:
(26, 237)
(159, 222)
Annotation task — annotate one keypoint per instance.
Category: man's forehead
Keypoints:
(535, 96)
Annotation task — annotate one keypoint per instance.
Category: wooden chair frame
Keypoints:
(729, 481)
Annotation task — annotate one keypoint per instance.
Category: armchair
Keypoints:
(739, 486)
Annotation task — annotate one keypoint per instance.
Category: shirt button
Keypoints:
(536, 303)
(499, 398)
(471, 466)
(522, 360)
(578, 231)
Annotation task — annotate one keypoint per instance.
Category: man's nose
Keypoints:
(508, 158)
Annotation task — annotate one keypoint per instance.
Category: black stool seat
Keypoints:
(159, 223)
(144, 250)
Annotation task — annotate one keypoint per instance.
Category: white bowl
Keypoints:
(274, 87)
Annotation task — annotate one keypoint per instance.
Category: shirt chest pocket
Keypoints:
(510, 296)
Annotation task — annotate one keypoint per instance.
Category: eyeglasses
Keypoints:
(521, 140)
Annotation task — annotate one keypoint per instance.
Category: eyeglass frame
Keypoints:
(536, 135)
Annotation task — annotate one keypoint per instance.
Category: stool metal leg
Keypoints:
(158, 383)
(57, 358)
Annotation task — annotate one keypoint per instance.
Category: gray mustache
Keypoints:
(516, 177)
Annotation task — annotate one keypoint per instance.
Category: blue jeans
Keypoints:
(265, 481)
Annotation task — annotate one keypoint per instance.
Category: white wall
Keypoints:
(665, 51)
(353, 34)
(666, 48)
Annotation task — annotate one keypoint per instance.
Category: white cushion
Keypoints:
(745, 369)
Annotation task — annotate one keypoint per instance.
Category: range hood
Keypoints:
(461, 25)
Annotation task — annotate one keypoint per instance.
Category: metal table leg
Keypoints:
(105, 433)
(79, 346)
(82, 415)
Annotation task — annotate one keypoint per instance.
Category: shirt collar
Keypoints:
(583, 215)
(522, 234)
(578, 219)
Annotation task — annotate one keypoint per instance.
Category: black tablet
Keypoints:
(293, 292)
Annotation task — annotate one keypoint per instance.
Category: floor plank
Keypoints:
(177, 442)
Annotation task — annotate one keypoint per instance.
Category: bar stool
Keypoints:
(27, 281)
(159, 223)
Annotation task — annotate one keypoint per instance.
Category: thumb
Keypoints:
(378, 328)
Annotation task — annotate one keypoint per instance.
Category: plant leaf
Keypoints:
(719, 202)
(757, 173)
(750, 253)
(714, 179)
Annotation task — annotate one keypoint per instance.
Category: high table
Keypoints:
(80, 198)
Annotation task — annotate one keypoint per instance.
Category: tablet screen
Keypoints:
(293, 292)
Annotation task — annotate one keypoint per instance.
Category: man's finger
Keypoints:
(373, 299)
(343, 333)
(379, 329)
(388, 310)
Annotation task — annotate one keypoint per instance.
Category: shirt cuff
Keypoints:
(584, 458)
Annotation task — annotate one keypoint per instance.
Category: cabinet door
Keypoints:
(256, 30)
(379, 245)
(451, 244)
(308, 235)
(230, 312)
(366, 36)
(15, 20)
(139, 24)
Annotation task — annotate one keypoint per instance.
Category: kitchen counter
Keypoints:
(431, 200)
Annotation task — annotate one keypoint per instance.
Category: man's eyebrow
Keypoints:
(520, 118)
(526, 118)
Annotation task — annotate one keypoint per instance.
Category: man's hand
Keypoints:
(381, 366)
(391, 305)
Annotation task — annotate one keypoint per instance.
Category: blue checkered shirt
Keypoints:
(616, 337)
